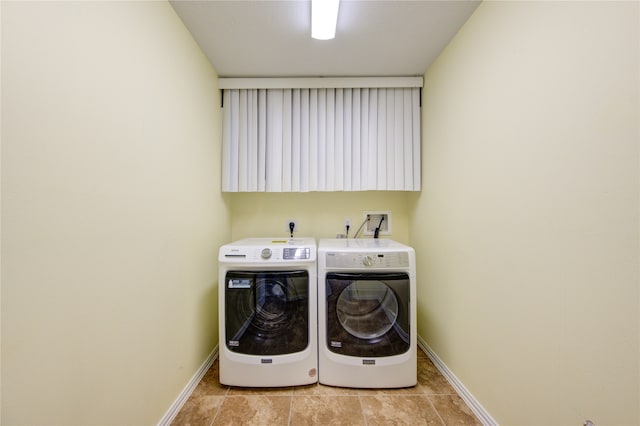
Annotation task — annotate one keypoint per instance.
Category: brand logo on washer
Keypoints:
(335, 344)
(368, 362)
(266, 361)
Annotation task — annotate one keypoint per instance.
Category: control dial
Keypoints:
(367, 261)
(266, 253)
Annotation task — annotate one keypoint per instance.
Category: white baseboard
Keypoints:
(175, 408)
(475, 406)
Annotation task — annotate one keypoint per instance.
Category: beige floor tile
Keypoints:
(326, 405)
(255, 410)
(431, 381)
(320, 389)
(453, 410)
(414, 390)
(427, 363)
(199, 410)
(326, 410)
(210, 383)
(235, 391)
(399, 410)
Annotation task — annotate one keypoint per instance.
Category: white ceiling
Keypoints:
(272, 38)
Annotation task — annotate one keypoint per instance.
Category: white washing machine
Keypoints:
(268, 312)
(366, 313)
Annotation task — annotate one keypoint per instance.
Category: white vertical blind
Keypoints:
(296, 148)
(314, 159)
(417, 158)
(324, 139)
(262, 142)
(354, 163)
(287, 147)
(243, 140)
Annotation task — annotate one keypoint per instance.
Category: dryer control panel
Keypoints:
(383, 260)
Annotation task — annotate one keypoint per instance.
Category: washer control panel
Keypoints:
(380, 260)
(269, 251)
(296, 253)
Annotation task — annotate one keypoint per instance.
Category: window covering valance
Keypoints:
(320, 82)
(321, 139)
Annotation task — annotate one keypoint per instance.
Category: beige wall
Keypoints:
(111, 211)
(317, 214)
(528, 257)
(526, 231)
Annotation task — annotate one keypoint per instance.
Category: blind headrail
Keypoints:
(320, 82)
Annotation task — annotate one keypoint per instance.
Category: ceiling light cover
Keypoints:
(324, 18)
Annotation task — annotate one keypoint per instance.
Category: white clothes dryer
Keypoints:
(268, 312)
(366, 313)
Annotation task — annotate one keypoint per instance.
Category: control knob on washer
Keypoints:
(367, 260)
(266, 253)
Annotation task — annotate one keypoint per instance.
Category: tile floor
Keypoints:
(431, 401)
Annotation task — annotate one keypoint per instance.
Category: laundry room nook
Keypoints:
(209, 216)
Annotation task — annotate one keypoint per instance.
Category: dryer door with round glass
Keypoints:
(267, 313)
(368, 313)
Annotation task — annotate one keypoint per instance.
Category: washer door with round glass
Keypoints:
(367, 313)
(267, 313)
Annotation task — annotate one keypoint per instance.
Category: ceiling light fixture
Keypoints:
(324, 18)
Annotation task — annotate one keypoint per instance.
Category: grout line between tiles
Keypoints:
(291, 407)
(218, 411)
(364, 418)
(435, 409)
(224, 398)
